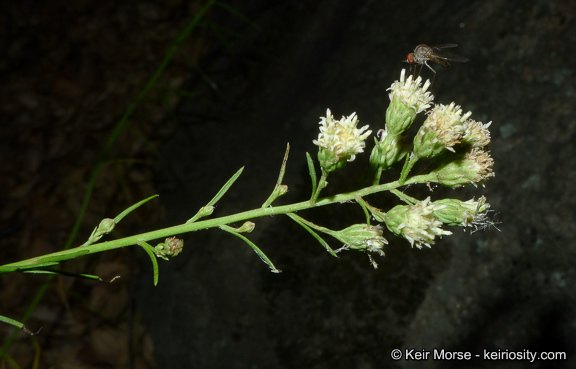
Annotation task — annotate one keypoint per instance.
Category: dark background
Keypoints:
(218, 306)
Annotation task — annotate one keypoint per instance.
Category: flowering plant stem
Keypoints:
(54, 258)
(458, 144)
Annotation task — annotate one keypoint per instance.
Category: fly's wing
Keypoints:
(450, 57)
(444, 46)
(439, 61)
(442, 56)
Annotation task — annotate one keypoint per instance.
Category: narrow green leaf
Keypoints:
(261, 254)
(407, 199)
(312, 172)
(219, 195)
(362, 203)
(299, 220)
(274, 195)
(16, 324)
(120, 216)
(13, 322)
(61, 272)
(150, 251)
(226, 187)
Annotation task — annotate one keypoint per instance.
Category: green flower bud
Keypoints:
(473, 167)
(330, 160)
(362, 237)
(399, 116)
(247, 227)
(172, 246)
(282, 190)
(388, 151)
(205, 211)
(106, 226)
(461, 213)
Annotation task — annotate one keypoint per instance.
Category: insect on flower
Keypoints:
(423, 53)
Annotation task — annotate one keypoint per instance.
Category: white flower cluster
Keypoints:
(448, 122)
(410, 93)
(341, 137)
(416, 223)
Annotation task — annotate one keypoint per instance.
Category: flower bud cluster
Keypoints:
(172, 246)
(422, 222)
(444, 129)
(448, 135)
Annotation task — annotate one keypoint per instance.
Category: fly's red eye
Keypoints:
(410, 58)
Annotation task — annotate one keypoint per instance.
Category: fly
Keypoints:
(424, 53)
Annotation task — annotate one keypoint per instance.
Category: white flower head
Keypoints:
(477, 133)
(340, 140)
(444, 127)
(411, 93)
(416, 223)
(449, 122)
(481, 164)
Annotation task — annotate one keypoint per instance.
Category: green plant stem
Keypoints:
(377, 175)
(321, 185)
(408, 164)
(407, 199)
(205, 224)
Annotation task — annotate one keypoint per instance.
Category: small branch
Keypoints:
(278, 189)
